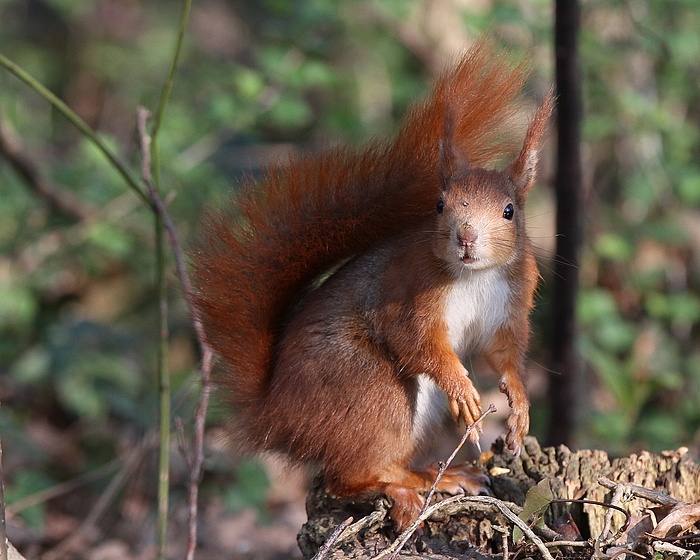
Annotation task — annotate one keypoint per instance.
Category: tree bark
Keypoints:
(477, 530)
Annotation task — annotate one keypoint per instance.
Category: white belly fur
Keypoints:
(429, 408)
(476, 306)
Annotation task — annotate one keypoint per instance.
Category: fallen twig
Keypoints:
(403, 538)
(129, 466)
(657, 496)
(326, 547)
(502, 506)
(59, 200)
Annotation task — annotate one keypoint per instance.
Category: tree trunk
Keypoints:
(565, 362)
(478, 530)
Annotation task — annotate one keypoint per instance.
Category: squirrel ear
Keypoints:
(523, 169)
(451, 159)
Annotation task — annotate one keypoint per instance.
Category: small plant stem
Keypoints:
(168, 85)
(164, 390)
(3, 526)
(165, 94)
(79, 123)
(154, 190)
(162, 352)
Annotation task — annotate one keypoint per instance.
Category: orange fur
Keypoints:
(336, 375)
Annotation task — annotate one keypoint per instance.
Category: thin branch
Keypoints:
(505, 533)
(163, 377)
(3, 526)
(656, 496)
(168, 85)
(616, 499)
(498, 504)
(76, 121)
(197, 464)
(377, 516)
(165, 94)
(62, 488)
(326, 547)
(106, 498)
(573, 544)
(444, 465)
(403, 538)
(164, 414)
(57, 199)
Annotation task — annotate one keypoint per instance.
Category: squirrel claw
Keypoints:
(468, 411)
(517, 425)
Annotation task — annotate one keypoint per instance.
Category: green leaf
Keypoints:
(594, 304)
(689, 187)
(111, 240)
(614, 247)
(17, 306)
(537, 501)
(26, 483)
(33, 366)
(289, 112)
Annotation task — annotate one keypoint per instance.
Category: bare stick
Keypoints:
(575, 544)
(326, 547)
(505, 533)
(197, 463)
(656, 496)
(403, 538)
(498, 504)
(129, 466)
(3, 526)
(616, 499)
(163, 377)
(196, 468)
(76, 121)
(58, 200)
(349, 528)
(443, 466)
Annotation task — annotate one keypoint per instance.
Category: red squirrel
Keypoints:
(343, 291)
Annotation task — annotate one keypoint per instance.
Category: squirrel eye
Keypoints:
(440, 206)
(508, 212)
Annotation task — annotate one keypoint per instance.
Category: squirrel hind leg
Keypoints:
(407, 501)
(402, 486)
(461, 479)
(406, 488)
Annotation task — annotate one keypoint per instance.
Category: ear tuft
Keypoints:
(451, 159)
(523, 169)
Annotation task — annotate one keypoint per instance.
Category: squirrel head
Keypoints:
(481, 212)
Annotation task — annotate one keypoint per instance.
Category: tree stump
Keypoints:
(479, 530)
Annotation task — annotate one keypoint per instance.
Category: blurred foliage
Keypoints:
(258, 80)
(640, 304)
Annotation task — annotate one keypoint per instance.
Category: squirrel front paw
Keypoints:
(468, 409)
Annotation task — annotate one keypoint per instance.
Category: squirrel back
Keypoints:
(256, 257)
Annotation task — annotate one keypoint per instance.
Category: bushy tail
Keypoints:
(312, 213)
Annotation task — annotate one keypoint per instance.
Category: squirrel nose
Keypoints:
(466, 236)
